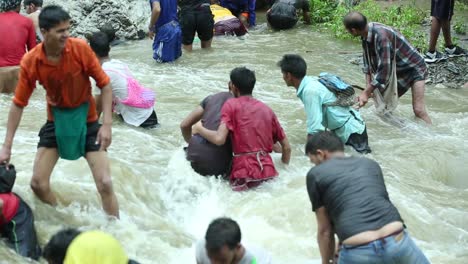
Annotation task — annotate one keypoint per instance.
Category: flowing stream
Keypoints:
(165, 206)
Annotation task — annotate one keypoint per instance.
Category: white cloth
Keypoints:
(251, 252)
(117, 70)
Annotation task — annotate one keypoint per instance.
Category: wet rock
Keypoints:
(452, 73)
(129, 18)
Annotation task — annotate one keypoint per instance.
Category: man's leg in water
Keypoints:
(45, 161)
(419, 107)
(99, 165)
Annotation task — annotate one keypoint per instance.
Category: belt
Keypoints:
(256, 153)
(397, 235)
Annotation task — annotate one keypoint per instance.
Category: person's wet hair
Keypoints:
(99, 42)
(293, 64)
(9, 5)
(109, 30)
(52, 16)
(323, 140)
(243, 79)
(56, 249)
(355, 20)
(222, 232)
(37, 3)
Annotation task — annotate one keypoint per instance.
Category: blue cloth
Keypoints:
(167, 45)
(386, 250)
(239, 6)
(344, 121)
(168, 12)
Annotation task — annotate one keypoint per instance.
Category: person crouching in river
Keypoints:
(254, 129)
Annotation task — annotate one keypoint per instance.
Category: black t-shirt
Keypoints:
(193, 4)
(208, 157)
(353, 191)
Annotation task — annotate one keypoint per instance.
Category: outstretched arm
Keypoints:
(14, 118)
(217, 137)
(286, 150)
(189, 121)
(325, 235)
(156, 11)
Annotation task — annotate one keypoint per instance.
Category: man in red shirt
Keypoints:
(17, 33)
(63, 66)
(254, 129)
(16, 218)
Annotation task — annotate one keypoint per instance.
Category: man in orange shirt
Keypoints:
(63, 66)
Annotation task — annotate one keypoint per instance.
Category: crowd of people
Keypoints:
(230, 134)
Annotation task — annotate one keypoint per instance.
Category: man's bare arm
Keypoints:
(325, 235)
(14, 118)
(189, 121)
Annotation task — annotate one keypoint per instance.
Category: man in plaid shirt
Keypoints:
(382, 45)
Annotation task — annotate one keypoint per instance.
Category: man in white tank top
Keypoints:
(33, 9)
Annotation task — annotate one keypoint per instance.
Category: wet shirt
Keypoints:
(252, 255)
(67, 82)
(298, 4)
(193, 4)
(381, 46)
(220, 13)
(118, 73)
(18, 35)
(254, 128)
(10, 207)
(202, 152)
(353, 191)
(239, 6)
(168, 12)
(344, 121)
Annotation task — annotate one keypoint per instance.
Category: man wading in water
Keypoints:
(63, 66)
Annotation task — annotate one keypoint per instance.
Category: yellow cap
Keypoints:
(95, 247)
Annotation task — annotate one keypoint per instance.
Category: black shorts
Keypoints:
(192, 21)
(20, 233)
(359, 142)
(151, 122)
(442, 9)
(47, 137)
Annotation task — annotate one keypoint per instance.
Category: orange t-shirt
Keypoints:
(67, 82)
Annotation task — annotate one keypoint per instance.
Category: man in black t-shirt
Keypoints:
(207, 158)
(349, 198)
(283, 13)
(195, 16)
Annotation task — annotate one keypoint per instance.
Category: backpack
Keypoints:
(7, 178)
(345, 94)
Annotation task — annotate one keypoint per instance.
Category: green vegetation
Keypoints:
(406, 19)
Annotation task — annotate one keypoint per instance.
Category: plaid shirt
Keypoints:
(379, 51)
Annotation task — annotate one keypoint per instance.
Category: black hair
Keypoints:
(243, 79)
(355, 20)
(99, 42)
(56, 248)
(323, 140)
(109, 30)
(51, 16)
(293, 64)
(37, 3)
(222, 232)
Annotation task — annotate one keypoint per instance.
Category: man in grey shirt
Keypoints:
(283, 13)
(349, 198)
(222, 244)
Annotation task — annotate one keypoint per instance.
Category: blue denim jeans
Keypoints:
(386, 250)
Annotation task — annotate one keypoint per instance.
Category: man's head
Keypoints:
(242, 81)
(223, 239)
(56, 248)
(355, 23)
(10, 5)
(322, 146)
(99, 42)
(32, 6)
(214, 2)
(54, 23)
(293, 67)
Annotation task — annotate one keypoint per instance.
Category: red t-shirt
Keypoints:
(17, 33)
(10, 207)
(254, 130)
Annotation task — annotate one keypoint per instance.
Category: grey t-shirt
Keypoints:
(207, 158)
(252, 255)
(352, 189)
